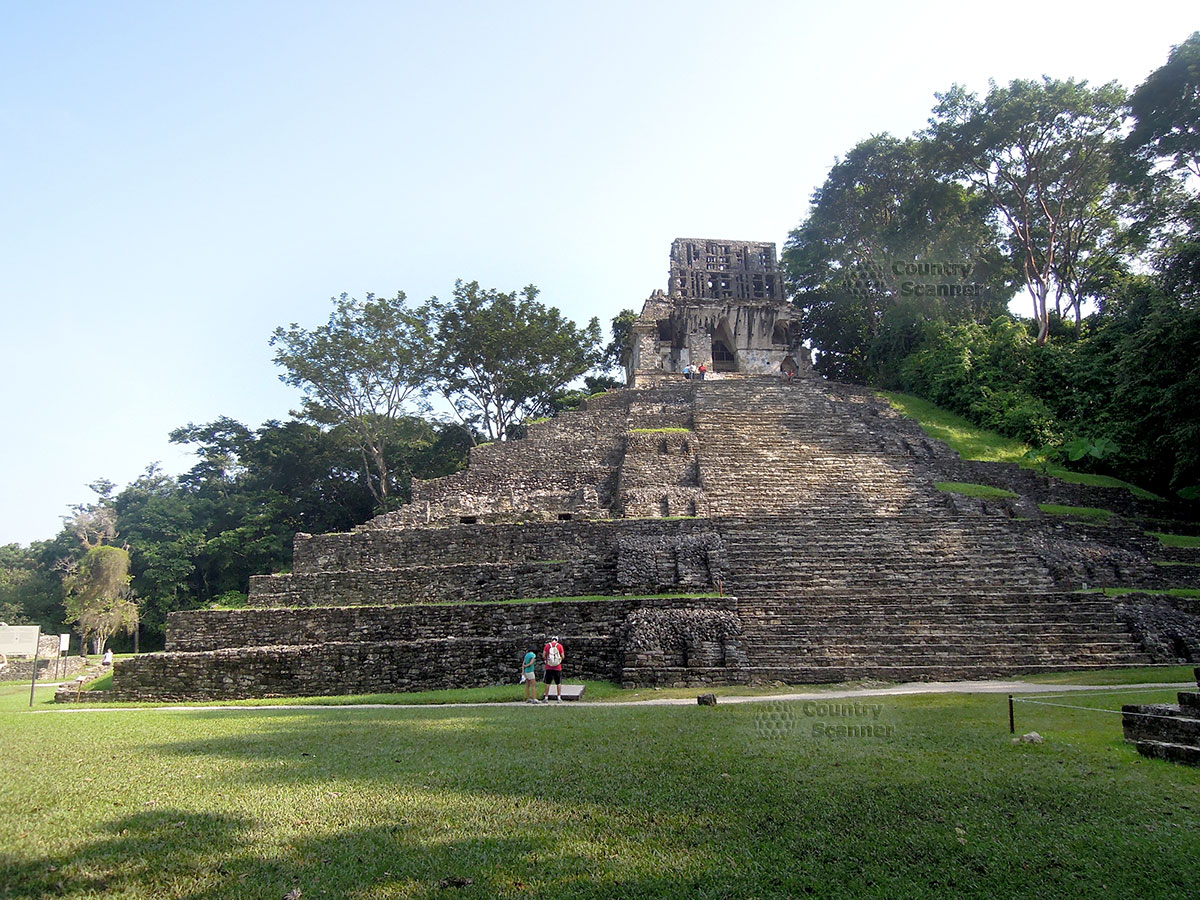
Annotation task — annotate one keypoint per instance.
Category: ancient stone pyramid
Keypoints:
(747, 527)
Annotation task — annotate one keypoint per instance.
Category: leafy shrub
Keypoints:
(1016, 414)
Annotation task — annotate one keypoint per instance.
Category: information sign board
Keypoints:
(19, 640)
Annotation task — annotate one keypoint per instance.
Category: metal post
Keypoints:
(1012, 726)
(37, 648)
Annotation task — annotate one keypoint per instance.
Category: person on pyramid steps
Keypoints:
(552, 656)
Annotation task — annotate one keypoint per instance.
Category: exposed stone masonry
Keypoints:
(286, 652)
(724, 270)
(1165, 730)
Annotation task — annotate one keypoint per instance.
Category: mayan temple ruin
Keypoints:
(760, 525)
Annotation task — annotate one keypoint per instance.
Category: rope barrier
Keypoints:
(1147, 690)
(1012, 701)
(1097, 709)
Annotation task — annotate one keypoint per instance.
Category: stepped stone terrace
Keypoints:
(746, 528)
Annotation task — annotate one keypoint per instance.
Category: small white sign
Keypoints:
(64, 643)
(19, 640)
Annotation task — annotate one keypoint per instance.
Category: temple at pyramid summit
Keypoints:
(760, 525)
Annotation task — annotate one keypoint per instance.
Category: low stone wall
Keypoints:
(347, 668)
(471, 582)
(202, 630)
(229, 654)
(566, 541)
(21, 668)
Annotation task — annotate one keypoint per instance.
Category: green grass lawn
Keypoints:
(973, 442)
(1139, 675)
(739, 800)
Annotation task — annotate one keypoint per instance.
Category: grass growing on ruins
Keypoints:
(973, 490)
(1118, 592)
(1084, 513)
(592, 598)
(763, 800)
(103, 683)
(1176, 540)
(666, 430)
(973, 442)
(967, 439)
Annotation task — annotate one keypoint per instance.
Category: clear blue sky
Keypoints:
(181, 177)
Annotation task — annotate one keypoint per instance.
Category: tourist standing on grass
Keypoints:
(552, 656)
(529, 676)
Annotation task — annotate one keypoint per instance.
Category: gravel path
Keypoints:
(925, 687)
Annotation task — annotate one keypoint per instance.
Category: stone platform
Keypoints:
(1164, 730)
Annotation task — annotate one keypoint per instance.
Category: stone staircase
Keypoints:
(773, 447)
(902, 637)
(848, 563)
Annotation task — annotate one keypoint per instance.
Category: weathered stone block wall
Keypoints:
(660, 475)
(564, 467)
(1168, 628)
(197, 630)
(469, 582)
(683, 647)
(379, 649)
(696, 560)
(21, 668)
(349, 668)
(487, 562)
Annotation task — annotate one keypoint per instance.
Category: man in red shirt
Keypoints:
(552, 656)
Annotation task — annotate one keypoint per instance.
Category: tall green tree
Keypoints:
(1166, 110)
(618, 352)
(30, 589)
(98, 595)
(502, 357)
(1045, 154)
(364, 368)
(882, 208)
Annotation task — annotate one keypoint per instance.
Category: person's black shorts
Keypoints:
(553, 676)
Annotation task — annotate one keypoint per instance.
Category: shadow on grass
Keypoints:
(661, 802)
(133, 851)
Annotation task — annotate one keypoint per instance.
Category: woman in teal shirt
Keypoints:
(529, 676)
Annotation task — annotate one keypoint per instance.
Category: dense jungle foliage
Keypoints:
(1082, 202)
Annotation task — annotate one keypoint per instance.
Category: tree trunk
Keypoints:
(1039, 312)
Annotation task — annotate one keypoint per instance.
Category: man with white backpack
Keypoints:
(552, 656)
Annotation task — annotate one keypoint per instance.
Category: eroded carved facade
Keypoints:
(725, 311)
